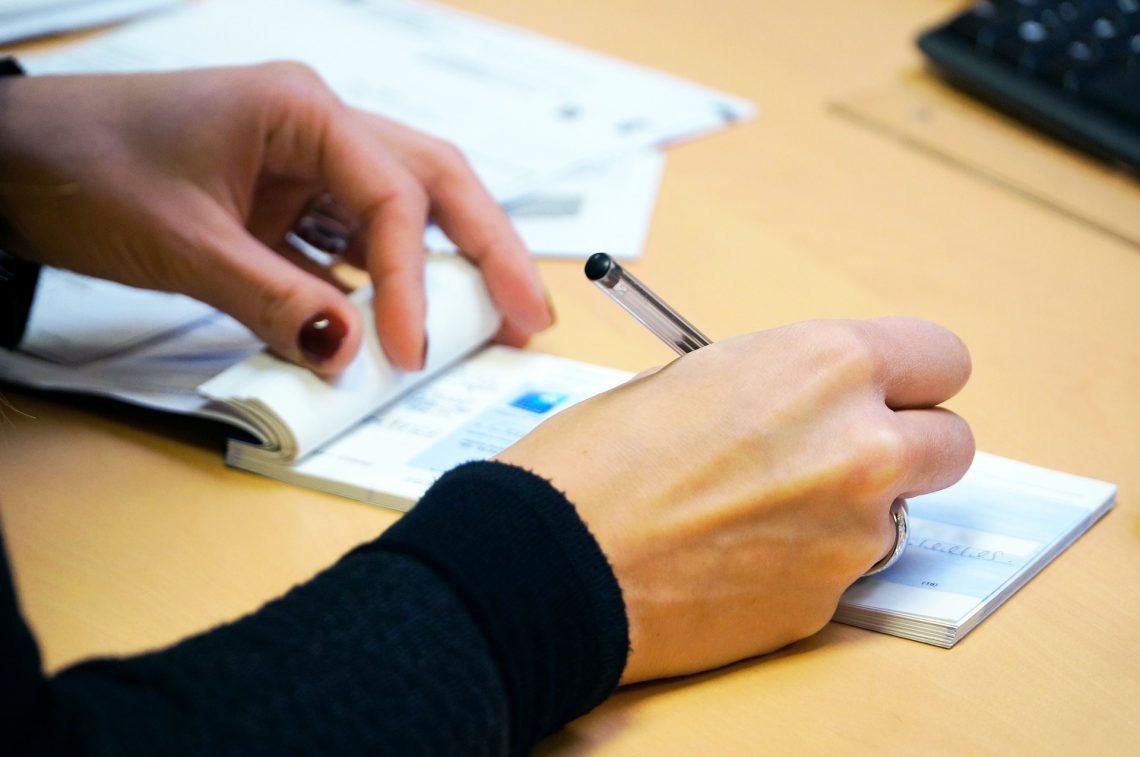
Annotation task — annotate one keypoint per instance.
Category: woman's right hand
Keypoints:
(738, 491)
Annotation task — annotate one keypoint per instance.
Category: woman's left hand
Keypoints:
(191, 181)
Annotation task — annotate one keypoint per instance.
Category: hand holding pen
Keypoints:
(669, 326)
(740, 490)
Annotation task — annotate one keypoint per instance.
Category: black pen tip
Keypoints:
(598, 265)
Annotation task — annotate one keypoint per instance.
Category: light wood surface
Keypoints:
(126, 531)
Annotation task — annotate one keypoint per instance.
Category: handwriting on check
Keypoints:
(962, 550)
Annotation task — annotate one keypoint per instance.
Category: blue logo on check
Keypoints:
(538, 402)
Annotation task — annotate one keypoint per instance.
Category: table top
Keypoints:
(126, 531)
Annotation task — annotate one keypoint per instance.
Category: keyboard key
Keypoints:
(1032, 44)
(1073, 65)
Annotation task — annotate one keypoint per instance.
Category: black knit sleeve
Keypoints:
(560, 642)
(18, 278)
(484, 619)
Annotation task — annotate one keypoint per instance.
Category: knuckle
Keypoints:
(835, 350)
(846, 347)
(881, 458)
(444, 161)
(408, 201)
(404, 202)
(447, 154)
(291, 71)
(293, 81)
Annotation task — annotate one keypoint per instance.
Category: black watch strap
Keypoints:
(18, 277)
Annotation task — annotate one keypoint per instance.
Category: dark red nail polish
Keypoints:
(321, 337)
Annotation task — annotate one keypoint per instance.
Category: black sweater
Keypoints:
(482, 620)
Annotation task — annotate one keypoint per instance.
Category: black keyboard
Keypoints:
(1068, 68)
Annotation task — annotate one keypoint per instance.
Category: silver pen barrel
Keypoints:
(640, 302)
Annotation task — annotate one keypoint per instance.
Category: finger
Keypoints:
(470, 217)
(395, 263)
(301, 317)
(937, 448)
(918, 363)
(307, 262)
(511, 335)
(392, 210)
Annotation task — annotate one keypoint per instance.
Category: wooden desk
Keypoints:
(126, 531)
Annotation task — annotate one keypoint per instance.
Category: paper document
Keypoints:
(23, 19)
(372, 433)
(607, 208)
(151, 349)
(525, 109)
(474, 410)
(974, 544)
(297, 411)
(63, 327)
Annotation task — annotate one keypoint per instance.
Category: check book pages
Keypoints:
(972, 546)
(373, 433)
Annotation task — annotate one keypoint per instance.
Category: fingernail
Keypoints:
(550, 308)
(321, 337)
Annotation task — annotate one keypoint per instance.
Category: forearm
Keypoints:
(375, 655)
(482, 621)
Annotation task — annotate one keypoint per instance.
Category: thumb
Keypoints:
(298, 315)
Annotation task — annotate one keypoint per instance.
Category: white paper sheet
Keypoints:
(304, 411)
(77, 319)
(474, 410)
(604, 208)
(22, 19)
(524, 108)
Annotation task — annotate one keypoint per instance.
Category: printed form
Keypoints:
(471, 412)
(524, 108)
(567, 139)
(972, 545)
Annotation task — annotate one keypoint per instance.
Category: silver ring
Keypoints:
(899, 514)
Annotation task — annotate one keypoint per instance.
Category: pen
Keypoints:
(637, 300)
